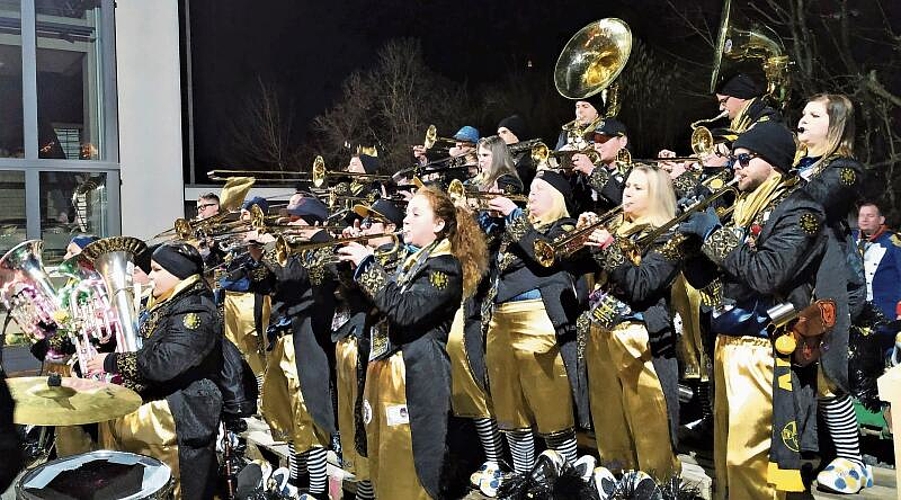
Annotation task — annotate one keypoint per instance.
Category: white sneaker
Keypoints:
(585, 467)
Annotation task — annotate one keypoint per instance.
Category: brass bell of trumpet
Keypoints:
(563, 247)
(541, 153)
(285, 247)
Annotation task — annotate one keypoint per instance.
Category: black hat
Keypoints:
(309, 209)
(611, 127)
(740, 86)
(179, 258)
(515, 124)
(510, 184)
(258, 201)
(142, 259)
(723, 135)
(771, 141)
(383, 209)
(596, 100)
(556, 180)
(370, 163)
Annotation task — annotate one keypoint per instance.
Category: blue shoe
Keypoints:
(845, 476)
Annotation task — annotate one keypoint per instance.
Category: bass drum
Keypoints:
(98, 475)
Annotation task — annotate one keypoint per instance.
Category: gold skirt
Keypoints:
(240, 328)
(687, 302)
(743, 416)
(388, 431)
(283, 405)
(346, 354)
(468, 400)
(149, 430)
(529, 385)
(627, 403)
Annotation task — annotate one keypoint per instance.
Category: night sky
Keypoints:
(309, 47)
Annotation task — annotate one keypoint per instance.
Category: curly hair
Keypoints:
(466, 238)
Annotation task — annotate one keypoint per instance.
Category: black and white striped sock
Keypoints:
(522, 447)
(365, 491)
(317, 467)
(490, 437)
(565, 444)
(297, 464)
(841, 422)
(260, 383)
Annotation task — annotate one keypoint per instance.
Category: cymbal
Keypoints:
(76, 401)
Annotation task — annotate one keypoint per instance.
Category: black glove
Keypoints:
(700, 224)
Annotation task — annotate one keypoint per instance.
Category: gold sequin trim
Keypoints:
(712, 294)
(517, 229)
(599, 178)
(258, 274)
(127, 366)
(719, 244)
(810, 224)
(373, 280)
(611, 258)
(847, 176)
(685, 183)
(672, 250)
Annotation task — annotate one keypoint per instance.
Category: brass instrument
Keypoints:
(523, 145)
(230, 199)
(458, 193)
(546, 253)
(431, 138)
(320, 174)
(760, 43)
(113, 258)
(285, 247)
(701, 138)
(541, 153)
(26, 291)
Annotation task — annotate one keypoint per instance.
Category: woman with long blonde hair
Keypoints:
(529, 315)
(408, 381)
(631, 350)
(835, 181)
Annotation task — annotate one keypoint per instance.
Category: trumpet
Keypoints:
(432, 138)
(701, 138)
(458, 193)
(541, 153)
(285, 247)
(546, 253)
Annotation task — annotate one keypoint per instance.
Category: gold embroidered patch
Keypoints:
(895, 240)
(847, 176)
(790, 436)
(810, 224)
(191, 321)
(438, 280)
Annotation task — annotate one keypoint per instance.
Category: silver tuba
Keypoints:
(113, 259)
(26, 291)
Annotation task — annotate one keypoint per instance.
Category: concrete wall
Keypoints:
(149, 97)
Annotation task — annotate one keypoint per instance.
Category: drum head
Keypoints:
(98, 475)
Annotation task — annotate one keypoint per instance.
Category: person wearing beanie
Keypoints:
(174, 371)
(527, 300)
(767, 255)
(259, 201)
(512, 130)
(742, 97)
(77, 244)
(296, 387)
(835, 180)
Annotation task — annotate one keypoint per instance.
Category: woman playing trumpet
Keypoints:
(631, 352)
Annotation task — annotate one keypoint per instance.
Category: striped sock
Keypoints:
(316, 465)
(841, 422)
(297, 464)
(522, 447)
(565, 444)
(365, 491)
(260, 383)
(490, 437)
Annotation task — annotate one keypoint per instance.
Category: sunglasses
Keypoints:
(367, 222)
(742, 160)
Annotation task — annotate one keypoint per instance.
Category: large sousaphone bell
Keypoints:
(593, 58)
(113, 259)
(759, 43)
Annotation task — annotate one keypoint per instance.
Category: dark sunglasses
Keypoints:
(367, 222)
(742, 160)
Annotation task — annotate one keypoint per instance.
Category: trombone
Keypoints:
(318, 174)
(546, 253)
(431, 138)
(285, 247)
(541, 153)
(458, 193)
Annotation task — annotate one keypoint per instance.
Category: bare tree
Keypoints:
(262, 133)
(390, 106)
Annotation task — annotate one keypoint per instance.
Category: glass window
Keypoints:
(72, 203)
(11, 116)
(12, 209)
(69, 82)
